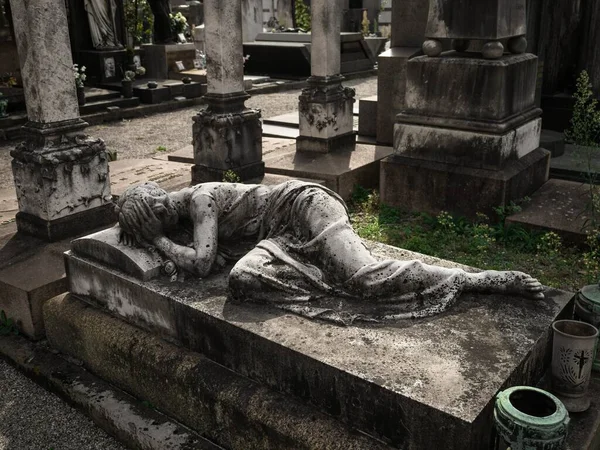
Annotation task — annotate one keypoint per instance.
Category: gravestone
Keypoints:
(468, 138)
(252, 19)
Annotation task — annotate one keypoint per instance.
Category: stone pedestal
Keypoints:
(227, 135)
(61, 175)
(326, 115)
(62, 182)
(468, 138)
(160, 59)
(325, 107)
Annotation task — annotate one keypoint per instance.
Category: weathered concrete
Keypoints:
(341, 170)
(212, 400)
(391, 80)
(558, 206)
(119, 414)
(430, 186)
(467, 148)
(411, 383)
(479, 89)
(476, 19)
(367, 116)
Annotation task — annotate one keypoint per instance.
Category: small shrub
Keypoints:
(231, 177)
(585, 123)
(302, 15)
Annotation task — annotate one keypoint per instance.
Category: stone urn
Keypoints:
(80, 95)
(529, 418)
(127, 88)
(587, 309)
(573, 352)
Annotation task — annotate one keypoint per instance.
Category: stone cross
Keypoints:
(227, 135)
(61, 175)
(325, 107)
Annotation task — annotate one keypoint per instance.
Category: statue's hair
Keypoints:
(148, 191)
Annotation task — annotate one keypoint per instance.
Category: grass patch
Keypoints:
(482, 243)
(161, 148)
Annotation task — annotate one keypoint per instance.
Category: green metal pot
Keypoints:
(527, 418)
(587, 309)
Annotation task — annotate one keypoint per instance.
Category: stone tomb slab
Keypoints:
(341, 170)
(413, 384)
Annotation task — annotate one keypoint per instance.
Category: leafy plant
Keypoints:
(302, 15)
(585, 123)
(139, 21)
(79, 74)
(130, 75)
(179, 24)
(7, 325)
(231, 177)
(161, 148)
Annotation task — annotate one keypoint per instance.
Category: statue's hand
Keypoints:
(150, 227)
(127, 239)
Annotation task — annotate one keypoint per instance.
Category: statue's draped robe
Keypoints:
(103, 27)
(309, 260)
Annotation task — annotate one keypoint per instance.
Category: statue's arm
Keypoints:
(198, 260)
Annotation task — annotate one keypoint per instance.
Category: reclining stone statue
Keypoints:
(292, 246)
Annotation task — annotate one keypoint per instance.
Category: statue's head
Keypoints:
(158, 199)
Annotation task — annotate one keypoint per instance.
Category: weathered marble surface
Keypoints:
(326, 25)
(223, 43)
(42, 36)
(67, 175)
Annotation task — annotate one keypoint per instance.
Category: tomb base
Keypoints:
(412, 384)
(326, 117)
(160, 59)
(227, 137)
(61, 180)
(432, 186)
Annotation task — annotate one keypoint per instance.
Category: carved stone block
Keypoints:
(67, 176)
(227, 141)
(326, 113)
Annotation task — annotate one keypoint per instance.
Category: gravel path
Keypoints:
(32, 418)
(140, 138)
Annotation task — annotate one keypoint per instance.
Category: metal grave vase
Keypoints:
(573, 351)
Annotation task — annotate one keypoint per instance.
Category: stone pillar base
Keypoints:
(69, 226)
(430, 186)
(203, 174)
(227, 136)
(317, 145)
(326, 114)
(61, 180)
(391, 86)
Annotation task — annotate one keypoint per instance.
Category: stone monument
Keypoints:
(468, 137)
(61, 175)
(227, 135)
(240, 272)
(325, 107)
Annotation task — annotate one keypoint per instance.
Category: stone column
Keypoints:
(60, 174)
(409, 18)
(325, 107)
(227, 135)
(472, 144)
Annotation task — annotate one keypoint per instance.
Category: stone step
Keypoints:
(93, 94)
(102, 105)
(558, 206)
(576, 164)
